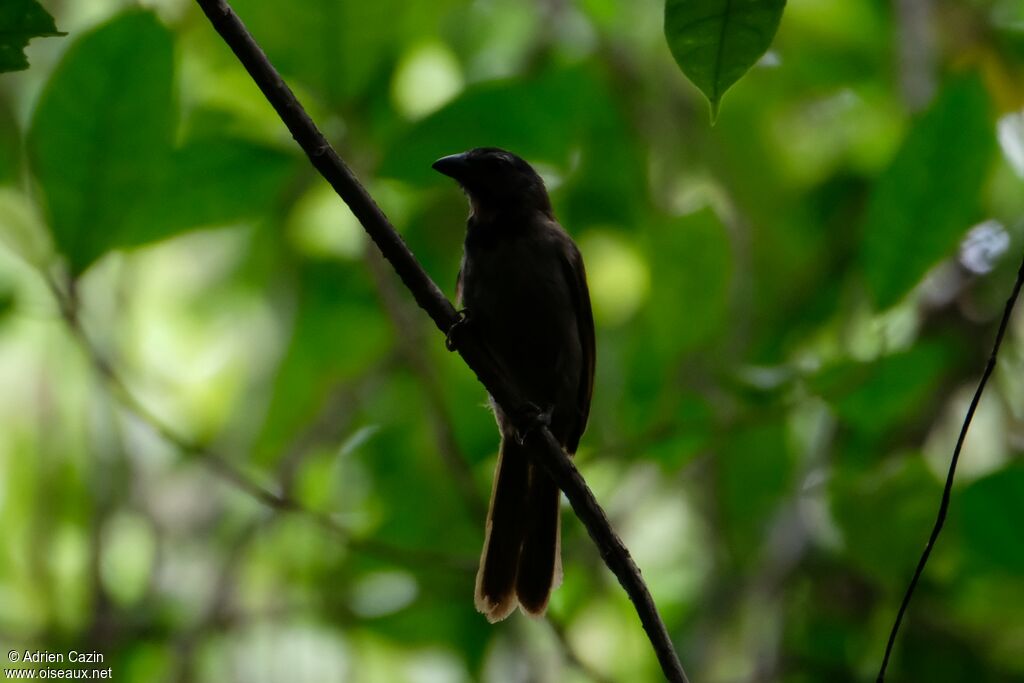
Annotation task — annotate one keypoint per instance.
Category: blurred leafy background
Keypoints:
(793, 307)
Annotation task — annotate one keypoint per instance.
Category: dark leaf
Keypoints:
(10, 145)
(101, 146)
(212, 182)
(991, 512)
(101, 134)
(755, 470)
(885, 515)
(20, 22)
(872, 397)
(924, 202)
(715, 42)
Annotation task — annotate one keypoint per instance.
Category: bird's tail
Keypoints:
(521, 562)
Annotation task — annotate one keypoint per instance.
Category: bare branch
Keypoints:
(430, 298)
(948, 489)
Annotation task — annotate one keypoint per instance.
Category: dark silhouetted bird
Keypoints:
(524, 289)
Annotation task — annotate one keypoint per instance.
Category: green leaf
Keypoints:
(755, 471)
(8, 300)
(928, 197)
(101, 146)
(10, 145)
(20, 22)
(873, 397)
(885, 515)
(540, 119)
(991, 510)
(715, 42)
(101, 134)
(213, 182)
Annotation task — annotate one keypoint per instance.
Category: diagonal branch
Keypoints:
(430, 298)
(947, 491)
(410, 340)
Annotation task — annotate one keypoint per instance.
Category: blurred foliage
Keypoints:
(793, 308)
(921, 203)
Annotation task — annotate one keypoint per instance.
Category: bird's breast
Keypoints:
(518, 282)
(518, 298)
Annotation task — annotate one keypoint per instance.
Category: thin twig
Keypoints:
(948, 489)
(430, 298)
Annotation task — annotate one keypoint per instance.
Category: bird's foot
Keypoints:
(451, 338)
(532, 418)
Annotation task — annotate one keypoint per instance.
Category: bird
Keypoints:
(523, 288)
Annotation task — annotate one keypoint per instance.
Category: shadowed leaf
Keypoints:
(991, 512)
(924, 202)
(101, 134)
(884, 515)
(20, 22)
(214, 181)
(873, 397)
(715, 42)
(101, 146)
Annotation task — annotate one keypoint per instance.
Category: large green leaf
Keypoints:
(991, 511)
(20, 22)
(102, 132)
(101, 146)
(210, 182)
(715, 42)
(925, 201)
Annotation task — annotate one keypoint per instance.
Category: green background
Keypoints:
(793, 307)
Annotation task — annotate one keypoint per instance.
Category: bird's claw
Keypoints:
(451, 337)
(531, 418)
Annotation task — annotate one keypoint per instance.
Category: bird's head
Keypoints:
(496, 181)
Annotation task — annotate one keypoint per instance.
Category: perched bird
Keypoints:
(524, 290)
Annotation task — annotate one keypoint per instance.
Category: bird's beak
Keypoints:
(454, 166)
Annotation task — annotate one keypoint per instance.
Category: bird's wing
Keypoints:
(458, 283)
(576, 276)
